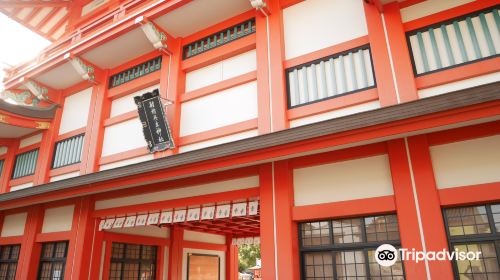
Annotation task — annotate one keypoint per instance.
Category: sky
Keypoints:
(19, 44)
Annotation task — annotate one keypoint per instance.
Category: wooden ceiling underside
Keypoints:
(47, 18)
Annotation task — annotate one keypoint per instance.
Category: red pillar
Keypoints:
(400, 53)
(267, 238)
(232, 259)
(172, 80)
(429, 204)
(30, 250)
(47, 144)
(286, 229)
(83, 236)
(175, 256)
(8, 166)
(270, 71)
(94, 133)
(406, 206)
(380, 56)
(96, 254)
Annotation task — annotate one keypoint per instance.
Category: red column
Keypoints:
(401, 60)
(270, 72)
(83, 237)
(95, 130)
(175, 256)
(263, 83)
(8, 166)
(267, 240)
(172, 81)
(96, 255)
(286, 229)
(232, 259)
(380, 56)
(49, 137)
(429, 204)
(406, 206)
(30, 250)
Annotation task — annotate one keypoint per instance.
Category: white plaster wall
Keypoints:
(13, 225)
(123, 137)
(197, 236)
(3, 150)
(126, 103)
(21, 186)
(336, 113)
(223, 108)
(151, 231)
(37, 138)
(58, 219)
(316, 24)
(223, 186)
(221, 254)
(75, 111)
(459, 85)
(219, 141)
(466, 163)
(220, 71)
(340, 181)
(64, 176)
(126, 162)
(429, 7)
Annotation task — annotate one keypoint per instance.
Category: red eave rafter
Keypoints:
(34, 3)
(98, 38)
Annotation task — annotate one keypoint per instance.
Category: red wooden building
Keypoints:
(318, 129)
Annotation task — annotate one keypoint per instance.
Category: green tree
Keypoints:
(247, 254)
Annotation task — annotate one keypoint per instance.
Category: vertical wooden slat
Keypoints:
(487, 34)
(447, 44)
(435, 49)
(423, 53)
(460, 40)
(314, 84)
(473, 36)
(364, 78)
(334, 77)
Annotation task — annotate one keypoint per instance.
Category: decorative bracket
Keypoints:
(154, 35)
(261, 6)
(25, 98)
(84, 70)
(41, 93)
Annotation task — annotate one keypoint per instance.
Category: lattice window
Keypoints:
(53, 260)
(475, 229)
(132, 262)
(455, 42)
(25, 164)
(344, 249)
(9, 255)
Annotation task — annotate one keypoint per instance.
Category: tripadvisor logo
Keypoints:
(387, 255)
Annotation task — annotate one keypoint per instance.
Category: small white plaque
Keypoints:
(193, 214)
(119, 222)
(166, 217)
(223, 211)
(253, 208)
(141, 220)
(239, 209)
(208, 213)
(130, 221)
(180, 216)
(153, 219)
(109, 223)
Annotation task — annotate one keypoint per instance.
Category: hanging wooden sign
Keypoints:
(154, 123)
